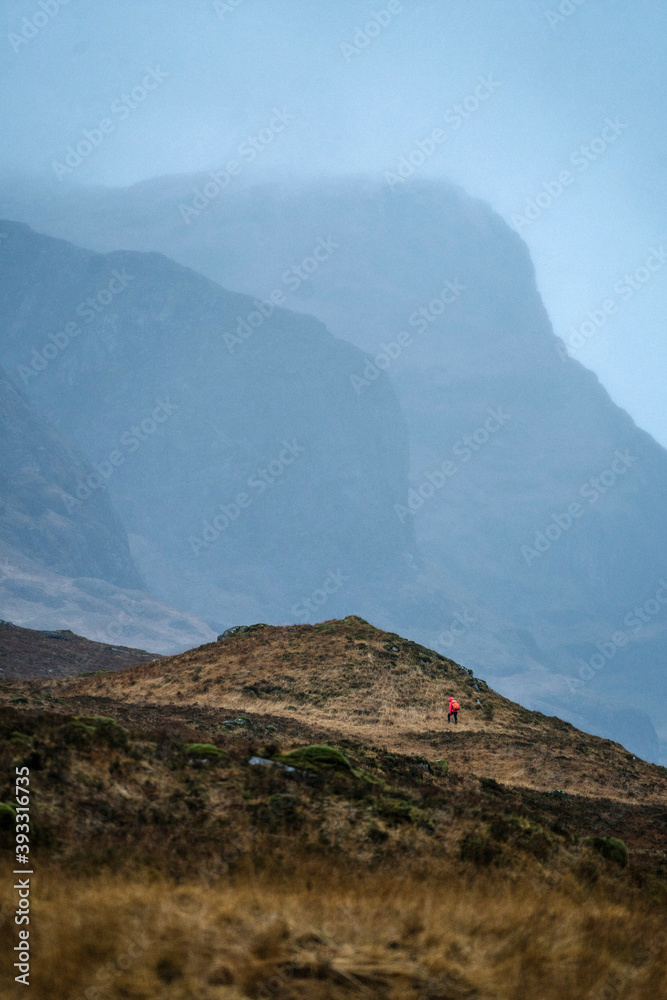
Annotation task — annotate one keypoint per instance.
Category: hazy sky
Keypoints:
(557, 73)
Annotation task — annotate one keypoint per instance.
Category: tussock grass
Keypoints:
(326, 934)
(371, 869)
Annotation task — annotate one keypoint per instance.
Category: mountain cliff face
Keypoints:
(65, 563)
(528, 488)
(250, 481)
(39, 513)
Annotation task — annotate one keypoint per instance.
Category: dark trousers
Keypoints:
(455, 714)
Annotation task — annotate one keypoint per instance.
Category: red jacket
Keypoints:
(453, 706)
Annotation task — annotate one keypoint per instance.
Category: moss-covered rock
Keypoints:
(240, 720)
(322, 759)
(240, 630)
(206, 751)
(316, 757)
(610, 848)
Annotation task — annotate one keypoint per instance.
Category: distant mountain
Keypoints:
(52, 653)
(251, 482)
(533, 496)
(40, 514)
(254, 483)
(65, 563)
(35, 597)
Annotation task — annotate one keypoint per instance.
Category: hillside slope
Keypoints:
(348, 678)
(28, 653)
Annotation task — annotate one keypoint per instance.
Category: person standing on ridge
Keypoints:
(453, 711)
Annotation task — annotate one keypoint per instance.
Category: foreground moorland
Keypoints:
(286, 813)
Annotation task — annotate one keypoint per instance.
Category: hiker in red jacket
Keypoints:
(453, 711)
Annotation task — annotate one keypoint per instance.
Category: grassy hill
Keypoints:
(31, 653)
(349, 678)
(287, 813)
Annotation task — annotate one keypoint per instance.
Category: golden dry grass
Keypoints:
(331, 892)
(334, 936)
(345, 677)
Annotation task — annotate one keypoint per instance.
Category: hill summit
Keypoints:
(346, 678)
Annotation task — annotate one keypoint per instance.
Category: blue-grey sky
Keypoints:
(574, 89)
